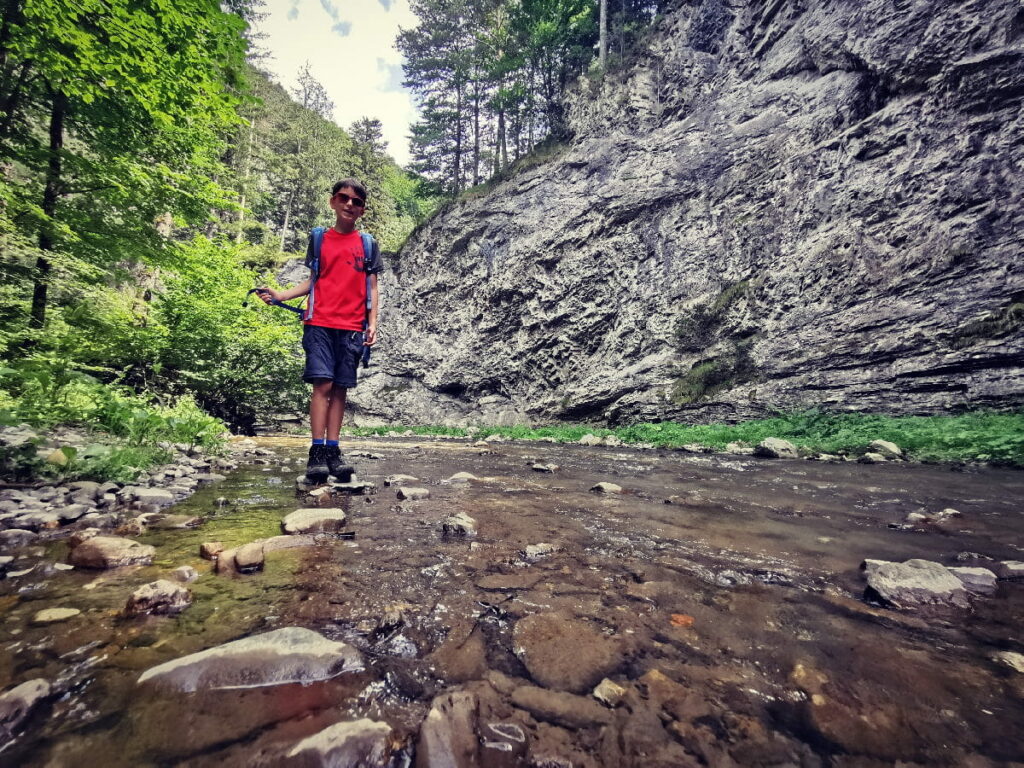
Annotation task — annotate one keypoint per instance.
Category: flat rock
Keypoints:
(535, 552)
(17, 704)
(413, 494)
(354, 487)
(110, 552)
(37, 521)
(914, 583)
(399, 480)
(156, 496)
(979, 581)
(776, 448)
(16, 537)
(447, 737)
(565, 654)
(1010, 569)
(462, 477)
(589, 439)
(361, 743)
(314, 520)
(288, 655)
(185, 574)
(175, 522)
(606, 488)
(161, 597)
(560, 708)
(459, 524)
(1011, 659)
(538, 467)
(54, 615)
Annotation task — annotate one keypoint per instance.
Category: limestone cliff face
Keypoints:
(781, 204)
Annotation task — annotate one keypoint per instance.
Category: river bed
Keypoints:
(737, 614)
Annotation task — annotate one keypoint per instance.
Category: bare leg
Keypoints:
(336, 412)
(319, 406)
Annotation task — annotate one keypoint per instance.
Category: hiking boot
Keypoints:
(337, 466)
(316, 467)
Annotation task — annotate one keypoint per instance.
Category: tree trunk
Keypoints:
(51, 193)
(603, 45)
(457, 164)
(245, 178)
(476, 129)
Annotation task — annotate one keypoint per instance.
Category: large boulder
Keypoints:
(914, 583)
(565, 654)
(776, 448)
(110, 552)
(288, 655)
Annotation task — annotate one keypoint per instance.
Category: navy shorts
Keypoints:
(332, 354)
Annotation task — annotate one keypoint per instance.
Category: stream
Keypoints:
(735, 615)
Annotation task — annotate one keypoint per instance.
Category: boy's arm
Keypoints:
(285, 293)
(371, 330)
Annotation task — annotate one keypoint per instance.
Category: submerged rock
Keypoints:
(565, 654)
(161, 596)
(17, 704)
(54, 615)
(914, 583)
(288, 655)
(110, 552)
(560, 708)
(361, 743)
(447, 737)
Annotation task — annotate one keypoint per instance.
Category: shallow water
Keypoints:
(781, 660)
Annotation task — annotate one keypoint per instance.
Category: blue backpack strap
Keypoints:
(316, 239)
(368, 249)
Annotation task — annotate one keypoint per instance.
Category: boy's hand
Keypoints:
(371, 336)
(269, 295)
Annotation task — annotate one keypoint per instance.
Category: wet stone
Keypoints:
(565, 654)
(775, 448)
(208, 550)
(560, 708)
(249, 558)
(288, 655)
(413, 494)
(185, 574)
(459, 524)
(72, 512)
(315, 520)
(17, 704)
(1010, 569)
(360, 743)
(54, 615)
(979, 581)
(447, 737)
(914, 583)
(399, 480)
(159, 597)
(1011, 659)
(175, 522)
(110, 552)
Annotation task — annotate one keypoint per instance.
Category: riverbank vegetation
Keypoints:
(997, 438)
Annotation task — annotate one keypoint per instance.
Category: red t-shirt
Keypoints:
(340, 293)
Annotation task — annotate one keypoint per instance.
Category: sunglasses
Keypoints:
(342, 198)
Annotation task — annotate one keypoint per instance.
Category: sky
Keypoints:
(350, 48)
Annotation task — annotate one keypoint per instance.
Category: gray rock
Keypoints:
(459, 524)
(17, 704)
(886, 449)
(535, 552)
(360, 743)
(413, 494)
(606, 488)
(1011, 659)
(544, 467)
(810, 292)
(158, 497)
(37, 521)
(72, 512)
(565, 654)
(209, 477)
(1010, 569)
(739, 449)
(288, 655)
(161, 596)
(110, 552)
(872, 458)
(315, 520)
(16, 537)
(462, 477)
(589, 439)
(186, 574)
(775, 448)
(978, 581)
(914, 583)
(249, 558)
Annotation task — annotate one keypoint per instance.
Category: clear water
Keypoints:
(783, 662)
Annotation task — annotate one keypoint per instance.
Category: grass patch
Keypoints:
(981, 436)
(1007, 320)
(712, 376)
(698, 328)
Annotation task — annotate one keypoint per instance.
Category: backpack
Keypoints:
(316, 239)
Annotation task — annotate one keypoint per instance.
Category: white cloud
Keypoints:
(350, 47)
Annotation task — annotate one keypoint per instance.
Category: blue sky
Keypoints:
(349, 45)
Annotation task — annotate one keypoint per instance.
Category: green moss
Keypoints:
(1007, 320)
(715, 375)
(698, 329)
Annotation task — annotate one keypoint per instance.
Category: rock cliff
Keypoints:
(779, 204)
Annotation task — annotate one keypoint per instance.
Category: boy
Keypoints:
(333, 336)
